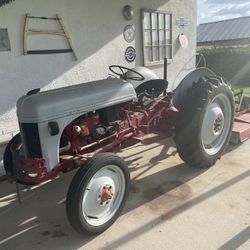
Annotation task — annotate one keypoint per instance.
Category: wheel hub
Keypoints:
(103, 195)
(213, 124)
(218, 124)
(106, 194)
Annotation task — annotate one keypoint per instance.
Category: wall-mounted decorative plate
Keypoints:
(130, 54)
(129, 33)
(128, 12)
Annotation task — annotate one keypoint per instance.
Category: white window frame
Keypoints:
(156, 47)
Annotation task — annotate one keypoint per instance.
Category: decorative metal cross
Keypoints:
(182, 22)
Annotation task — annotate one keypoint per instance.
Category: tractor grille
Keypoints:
(32, 139)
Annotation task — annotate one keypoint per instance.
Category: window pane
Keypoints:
(154, 20)
(162, 37)
(168, 37)
(161, 21)
(148, 54)
(155, 37)
(168, 52)
(146, 20)
(167, 20)
(162, 53)
(155, 54)
(147, 37)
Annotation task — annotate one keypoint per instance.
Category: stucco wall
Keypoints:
(96, 29)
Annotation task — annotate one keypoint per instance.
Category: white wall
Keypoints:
(96, 29)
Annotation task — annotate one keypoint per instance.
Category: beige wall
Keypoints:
(96, 29)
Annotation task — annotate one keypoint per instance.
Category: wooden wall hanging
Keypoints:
(61, 32)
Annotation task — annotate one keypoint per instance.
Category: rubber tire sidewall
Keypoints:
(217, 91)
(78, 186)
(190, 119)
(7, 156)
(7, 160)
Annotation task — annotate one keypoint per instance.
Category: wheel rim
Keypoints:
(103, 195)
(216, 124)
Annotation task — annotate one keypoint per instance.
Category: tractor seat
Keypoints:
(152, 87)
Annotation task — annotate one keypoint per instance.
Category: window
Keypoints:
(157, 36)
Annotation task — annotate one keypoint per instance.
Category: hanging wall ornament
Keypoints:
(129, 33)
(130, 54)
(183, 40)
(3, 2)
(128, 12)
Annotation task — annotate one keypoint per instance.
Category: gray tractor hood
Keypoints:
(73, 100)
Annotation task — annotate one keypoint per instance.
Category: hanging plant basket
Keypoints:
(3, 2)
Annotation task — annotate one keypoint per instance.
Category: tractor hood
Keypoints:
(73, 100)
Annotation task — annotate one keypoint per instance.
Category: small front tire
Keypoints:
(97, 193)
(7, 156)
(8, 163)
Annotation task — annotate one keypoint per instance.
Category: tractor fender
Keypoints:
(187, 83)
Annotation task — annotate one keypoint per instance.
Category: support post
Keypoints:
(165, 73)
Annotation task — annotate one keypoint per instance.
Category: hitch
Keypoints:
(238, 100)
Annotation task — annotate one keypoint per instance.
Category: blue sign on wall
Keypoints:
(130, 54)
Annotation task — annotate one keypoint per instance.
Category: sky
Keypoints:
(215, 10)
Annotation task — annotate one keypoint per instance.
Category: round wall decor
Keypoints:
(128, 12)
(130, 54)
(129, 33)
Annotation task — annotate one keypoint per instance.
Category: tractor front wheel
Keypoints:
(205, 122)
(8, 163)
(98, 193)
(7, 156)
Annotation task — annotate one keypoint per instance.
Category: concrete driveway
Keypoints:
(171, 206)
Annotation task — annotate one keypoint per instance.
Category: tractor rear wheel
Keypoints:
(97, 193)
(204, 123)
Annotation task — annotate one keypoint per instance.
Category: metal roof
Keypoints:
(231, 29)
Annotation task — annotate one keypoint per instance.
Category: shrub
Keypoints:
(232, 63)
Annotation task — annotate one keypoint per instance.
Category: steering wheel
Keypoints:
(122, 73)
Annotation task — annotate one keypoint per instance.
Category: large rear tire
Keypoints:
(97, 193)
(204, 123)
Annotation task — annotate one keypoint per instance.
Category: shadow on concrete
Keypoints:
(42, 212)
(237, 240)
(182, 208)
(160, 183)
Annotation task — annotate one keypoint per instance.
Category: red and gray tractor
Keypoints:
(79, 126)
